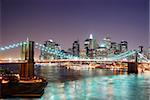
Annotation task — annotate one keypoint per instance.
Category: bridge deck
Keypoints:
(13, 61)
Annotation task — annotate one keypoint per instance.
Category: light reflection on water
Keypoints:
(94, 85)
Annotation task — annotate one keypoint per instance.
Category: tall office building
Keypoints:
(140, 49)
(90, 45)
(101, 52)
(107, 41)
(76, 48)
(123, 46)
(83, 53)
(104, 47)
(115, 48)
(86, 46)
(50, 44)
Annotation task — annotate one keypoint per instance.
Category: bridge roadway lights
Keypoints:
(27, 69)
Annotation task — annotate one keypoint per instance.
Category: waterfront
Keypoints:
(94, 84)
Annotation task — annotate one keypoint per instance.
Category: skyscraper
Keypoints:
(83, 53)
(90, 45)
(106, 41)
(115, 48)
(76, 48)
(104, 47)
(50, 44)
(140, 49)
(123, 46)
(86, 46)
(101, 52)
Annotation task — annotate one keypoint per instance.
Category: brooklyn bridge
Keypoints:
(27, 61)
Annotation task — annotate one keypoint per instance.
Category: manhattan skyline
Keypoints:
(65, 21)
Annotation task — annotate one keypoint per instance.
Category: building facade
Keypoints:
(90, 46)
(123, 46)
(76, 48)
(50, 44)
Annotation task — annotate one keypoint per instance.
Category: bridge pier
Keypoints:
(133, 66)
(27, 54)
(27, 71)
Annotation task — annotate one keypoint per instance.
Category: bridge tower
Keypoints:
(27, 54)
(133, 66)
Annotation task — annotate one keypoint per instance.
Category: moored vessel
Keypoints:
(13, 87)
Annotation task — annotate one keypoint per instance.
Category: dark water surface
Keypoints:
(97, 84)
(93, 85)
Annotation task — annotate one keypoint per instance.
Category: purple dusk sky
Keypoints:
(67, 20)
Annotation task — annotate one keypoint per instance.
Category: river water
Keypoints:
(97, 84)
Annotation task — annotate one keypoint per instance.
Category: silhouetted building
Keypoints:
(86, 46)
(90, 45)
(115, 48)
(123, 46)
(76, 48)
(140, 49)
